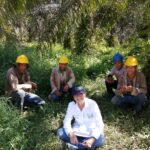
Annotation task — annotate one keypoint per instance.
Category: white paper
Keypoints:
(81, 134)
(81, 131)
(25, 86)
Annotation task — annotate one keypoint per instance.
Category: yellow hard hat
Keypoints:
(131, 61)
(63, 60)
(22, 59)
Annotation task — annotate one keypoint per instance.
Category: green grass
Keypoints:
(34, 130)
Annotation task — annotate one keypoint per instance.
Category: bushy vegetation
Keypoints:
(34, 130)
(89, 33)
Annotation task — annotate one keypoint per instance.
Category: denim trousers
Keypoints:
(64, 137)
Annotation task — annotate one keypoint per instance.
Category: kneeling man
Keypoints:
(19, 86)
(131, 88)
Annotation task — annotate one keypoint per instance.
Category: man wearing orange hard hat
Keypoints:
(19, 86)
(132, 88)
(62, 79)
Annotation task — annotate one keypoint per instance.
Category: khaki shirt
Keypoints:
(13, 79)
(56, 78)
(138, 83)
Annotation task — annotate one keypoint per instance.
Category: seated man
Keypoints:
(131, 88)
(62, 80)
(117, 70)
(87, 131)
(18, 84)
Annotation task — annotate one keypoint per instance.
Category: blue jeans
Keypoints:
(135, 101)
(110, 87)
(56, 98)
(63, 136)
(30, 99)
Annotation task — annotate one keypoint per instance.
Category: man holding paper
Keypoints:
(19, 86)
(87, 131)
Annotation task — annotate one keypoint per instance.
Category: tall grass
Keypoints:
(34, 130)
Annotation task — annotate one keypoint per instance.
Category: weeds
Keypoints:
(34, 130)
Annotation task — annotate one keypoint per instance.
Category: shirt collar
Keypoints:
(122, 68)
(58, 70)
(85, 106)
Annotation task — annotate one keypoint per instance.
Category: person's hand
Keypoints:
(73, 138)
(58, 93)
(66, 88)
(110, 79)
(123, 89)
(129, 89)
(88, 143)
(26, 90)
(34, 85)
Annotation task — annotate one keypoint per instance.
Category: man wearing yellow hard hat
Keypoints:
(19, 86)
(62, 79)
(131, 88)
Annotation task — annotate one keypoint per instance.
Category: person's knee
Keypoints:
(61, 133)
(41, 102)
(35, 99)
(115, 100)
(17, 97)
(32, 95)
(21, 93)
(53, 97)
(142, 97)
(99, 142)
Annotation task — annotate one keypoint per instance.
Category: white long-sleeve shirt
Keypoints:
(88, 121)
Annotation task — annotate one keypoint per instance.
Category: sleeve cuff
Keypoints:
(68, 131)
(134, 92)
(96, 136)
(53, 90)
(69, 84)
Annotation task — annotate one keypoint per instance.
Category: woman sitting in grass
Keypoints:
(87, 130)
